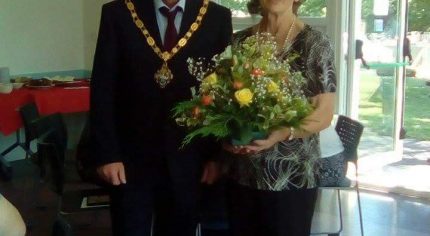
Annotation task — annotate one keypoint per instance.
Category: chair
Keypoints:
(31, 121)
(52, 147)
(350, 132)
(29, 114)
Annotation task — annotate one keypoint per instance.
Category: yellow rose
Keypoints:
(211, 79)
(272, 87)
(244, 97)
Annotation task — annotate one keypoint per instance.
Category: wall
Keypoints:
(40, 36)
(92, 13)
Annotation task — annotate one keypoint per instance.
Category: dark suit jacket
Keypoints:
(130, 114)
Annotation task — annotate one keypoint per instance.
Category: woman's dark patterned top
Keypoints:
(291, 164)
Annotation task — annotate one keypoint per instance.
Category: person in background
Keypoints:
(11, 223)
(359, 53)
(273, 188)
(407, 52)
(140, 73)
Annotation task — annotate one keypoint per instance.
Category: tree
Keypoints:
(313, 8)
(419, 18)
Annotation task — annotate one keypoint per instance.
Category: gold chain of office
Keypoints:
(164, 75)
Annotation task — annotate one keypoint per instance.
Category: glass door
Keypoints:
(375, 72)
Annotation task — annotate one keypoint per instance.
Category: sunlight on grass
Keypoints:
(377, 105)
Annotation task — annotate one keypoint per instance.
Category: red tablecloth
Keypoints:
(48, 101)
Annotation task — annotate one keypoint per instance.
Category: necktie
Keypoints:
(171, 36)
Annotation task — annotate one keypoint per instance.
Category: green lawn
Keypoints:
(377, 104)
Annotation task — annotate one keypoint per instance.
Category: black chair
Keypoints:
(52, 147)
(31, 122)
(350, 132)
(29, 115)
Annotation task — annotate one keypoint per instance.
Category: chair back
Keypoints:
(29, 113)
(350, 132)
(52, 145)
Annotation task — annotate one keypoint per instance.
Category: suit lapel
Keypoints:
(147, 14)
(192, 8)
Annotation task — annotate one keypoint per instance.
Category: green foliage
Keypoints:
(314, 8)
(235, 4)
(219, 128)
(419, 17)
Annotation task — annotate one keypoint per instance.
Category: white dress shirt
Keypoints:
(162, 20)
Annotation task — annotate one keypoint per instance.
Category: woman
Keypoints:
(273, 189)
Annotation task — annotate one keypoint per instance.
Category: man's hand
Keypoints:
(210, 173)
(113, 173)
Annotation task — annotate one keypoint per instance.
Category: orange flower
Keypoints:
(196, 112)
(257, 72)
(207, 100)
(237, 85)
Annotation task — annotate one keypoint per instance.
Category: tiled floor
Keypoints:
(383, 214)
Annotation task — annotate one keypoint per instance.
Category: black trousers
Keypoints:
(163, 197)
(268, 213)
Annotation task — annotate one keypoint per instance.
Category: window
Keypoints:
(310, 8)
(242, 19)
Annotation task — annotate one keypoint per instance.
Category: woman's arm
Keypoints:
(320, 118)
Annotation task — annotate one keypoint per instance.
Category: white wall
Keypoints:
(48, 35)
(43, 35)
(92, 13)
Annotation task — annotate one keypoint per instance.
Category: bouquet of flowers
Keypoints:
(245, 92)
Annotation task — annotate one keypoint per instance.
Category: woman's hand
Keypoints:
(274, 138)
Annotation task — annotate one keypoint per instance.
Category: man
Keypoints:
(140, 73)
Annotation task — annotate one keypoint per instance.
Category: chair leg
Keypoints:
(359, 211)
(340, 213)
(61, 227)
(199, 230)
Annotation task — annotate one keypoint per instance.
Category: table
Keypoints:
(48, 101)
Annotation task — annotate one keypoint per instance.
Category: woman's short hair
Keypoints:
(254, 6)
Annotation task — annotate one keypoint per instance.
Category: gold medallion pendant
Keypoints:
(164, 75)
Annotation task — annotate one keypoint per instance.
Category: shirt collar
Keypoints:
(159, 4)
